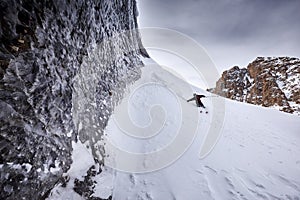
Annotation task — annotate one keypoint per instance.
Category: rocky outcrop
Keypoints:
(267, 81)
(46, 47)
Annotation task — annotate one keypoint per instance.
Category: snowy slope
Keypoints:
(256, 157)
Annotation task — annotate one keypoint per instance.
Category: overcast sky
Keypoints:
(234, 32)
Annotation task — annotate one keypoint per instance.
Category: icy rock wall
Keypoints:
(60, 77)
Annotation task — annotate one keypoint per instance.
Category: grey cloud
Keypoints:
(241, 26)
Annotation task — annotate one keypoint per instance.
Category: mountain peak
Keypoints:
(267, 81)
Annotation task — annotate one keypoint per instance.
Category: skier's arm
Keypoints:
(191, 99)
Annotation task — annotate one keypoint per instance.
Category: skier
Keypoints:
(197, 98)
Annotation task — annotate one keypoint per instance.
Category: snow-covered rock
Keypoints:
(267, 81)
(52, 53)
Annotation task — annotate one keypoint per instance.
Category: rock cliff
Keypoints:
(57, 67)
(267, 81)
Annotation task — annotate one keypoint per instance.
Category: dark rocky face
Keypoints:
(43, 45)
(266, 81)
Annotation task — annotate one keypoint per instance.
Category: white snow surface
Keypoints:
(256, 157)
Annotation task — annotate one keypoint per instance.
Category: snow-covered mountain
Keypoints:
(255, 157)
(267, 81)
(65, 66)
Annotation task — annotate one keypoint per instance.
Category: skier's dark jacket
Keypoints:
(197, 97)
